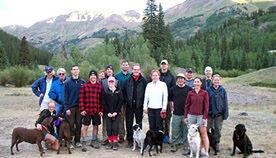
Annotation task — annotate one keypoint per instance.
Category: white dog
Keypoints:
(195, 141)
(138, 137)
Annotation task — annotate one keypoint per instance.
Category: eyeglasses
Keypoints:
(61, 74)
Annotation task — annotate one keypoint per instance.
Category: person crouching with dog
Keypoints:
(112, 101)
(196, 111)
(50, 136)
(91, 108)
(155, 102)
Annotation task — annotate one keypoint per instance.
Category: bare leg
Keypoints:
(204, 138)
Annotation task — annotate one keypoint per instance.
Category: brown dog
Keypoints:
(33, 136)
(64, 133)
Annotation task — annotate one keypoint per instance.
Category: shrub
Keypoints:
(4, 77)
(19, 76)
(85, 68)
(229, 73)
(36, 74)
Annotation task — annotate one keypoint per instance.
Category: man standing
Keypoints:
(71, 103)
(189, 75)
(168, 78)
(134, 91)
(41, 88)
(122, 77)
(207, 81)
(56, 91)
(104, 82)
(177, 99)
(91, 108)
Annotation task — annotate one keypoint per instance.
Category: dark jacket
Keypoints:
(43, 115)
(205, 84)
(71, 92)
(140, 91)
(56, 91)
(168, 78)
(39, 86)
(112, 101)
(218, 103)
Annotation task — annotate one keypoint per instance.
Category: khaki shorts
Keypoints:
(196, 119)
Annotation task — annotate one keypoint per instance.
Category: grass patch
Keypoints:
(17, 94)
(264, 84)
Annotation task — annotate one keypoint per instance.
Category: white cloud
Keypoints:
(27, 12)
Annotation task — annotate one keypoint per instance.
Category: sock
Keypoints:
(84, 139)
(110, 138)
(115, 138)
(94, 137)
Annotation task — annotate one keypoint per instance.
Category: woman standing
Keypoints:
(155, 102)
(196, 111)
(218, 110)
(112, 100)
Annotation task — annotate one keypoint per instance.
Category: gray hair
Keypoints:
(61, 69)
(208, 68)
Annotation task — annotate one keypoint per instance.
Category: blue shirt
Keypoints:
(122, 78)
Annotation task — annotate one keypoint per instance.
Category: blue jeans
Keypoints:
(59, 108)
(179, 128)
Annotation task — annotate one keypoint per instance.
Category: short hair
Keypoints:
(102, 71)
(153, 71)
(136, 65)
(61, 69)
(75, 65)
(198, 78)
(51, 101)
(208, 68)
(124, 61)
(217, 75)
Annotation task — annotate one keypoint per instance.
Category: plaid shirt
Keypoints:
(91, 98)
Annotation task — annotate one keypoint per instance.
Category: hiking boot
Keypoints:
(78, 144)
(173, 148)
(186, 151)
(109, 146)
(217, 148)
(115, 146)
(129, 144)
(104, 142)
(95, 144)
(84, 148)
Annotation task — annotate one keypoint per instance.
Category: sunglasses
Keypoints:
(61, 74)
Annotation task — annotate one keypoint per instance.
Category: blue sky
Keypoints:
(27, 12)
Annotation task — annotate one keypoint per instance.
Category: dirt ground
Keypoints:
(18, 107)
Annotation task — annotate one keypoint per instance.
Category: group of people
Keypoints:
(114, 101)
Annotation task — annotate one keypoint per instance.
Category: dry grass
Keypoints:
(21, 110)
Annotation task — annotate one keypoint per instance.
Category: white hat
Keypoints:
(164, 61)
(180, 75)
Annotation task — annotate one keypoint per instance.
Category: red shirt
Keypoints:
(195, 103)
(91, 98)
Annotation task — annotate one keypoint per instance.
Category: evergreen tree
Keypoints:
(243, 62)
(117, 45)
(207, 53)
(76, 55)
(223, 50)
(4, 62)
(63, 52)
(106, 39)
(25, 56)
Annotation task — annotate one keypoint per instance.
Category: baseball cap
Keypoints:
(49, 69)
(111, 79)
(189, 70)
(109, 66)
(180, 75)
(93, 72)
(164, 61)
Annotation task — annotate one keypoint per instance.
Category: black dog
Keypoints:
(212, 140)
(153, 138)
(242, 141)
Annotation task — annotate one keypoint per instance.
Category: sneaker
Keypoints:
(78, 144)
(173, 148)
(84, 148)
(72, 146)
(109, 146)
(186, 151)
(95, 144)
(104, 142)
(206, 155)
(129, 144)
(115, 146)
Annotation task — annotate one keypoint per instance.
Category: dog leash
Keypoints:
(45, 128)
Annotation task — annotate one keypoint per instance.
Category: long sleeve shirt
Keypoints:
(156, 96)
(197, 103)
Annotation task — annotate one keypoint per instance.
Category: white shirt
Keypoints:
(46, 98)
(156, 96)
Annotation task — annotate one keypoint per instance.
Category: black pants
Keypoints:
(75, 122)
(155, 120)
(130, 112)
(112, 125)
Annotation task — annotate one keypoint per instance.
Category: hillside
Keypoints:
(263, 77)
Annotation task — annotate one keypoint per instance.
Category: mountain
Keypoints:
(82, 28)
(14, 29)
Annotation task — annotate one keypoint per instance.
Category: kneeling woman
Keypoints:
(49, 137)
(112, 100)
(196, 111)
